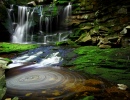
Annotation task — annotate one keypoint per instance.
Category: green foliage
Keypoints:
(55, 11)
(15, 98)
(63, 1)
(50, 10)
(78, 32)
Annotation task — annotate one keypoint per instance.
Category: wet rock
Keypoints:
(102, 46)
(125, 41)
(105, 20)
(84, 38)
(86, 27)
(95, 40)
(104, 41)
(1, 2)
(4, 62)
(32, 3)
(103, 28)
(41, 0)
(108, 42)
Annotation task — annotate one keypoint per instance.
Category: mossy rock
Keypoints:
(68, 42)
(88, 98)
(2, 86)
(110, 64)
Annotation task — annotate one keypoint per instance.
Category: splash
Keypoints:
(48, 61)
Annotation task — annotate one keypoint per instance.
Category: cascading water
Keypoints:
(22, 25)
(47, 24)
(20, 28)
(40, 22)
(50, 58)
(67, 13)
(25, 26)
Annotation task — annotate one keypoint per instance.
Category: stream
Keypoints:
(40, 74)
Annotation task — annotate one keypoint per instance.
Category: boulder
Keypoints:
(3, 65)
(108, 42)
(104, 41)
(84, 38)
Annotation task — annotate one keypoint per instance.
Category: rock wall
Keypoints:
(100, 22)
(4, 34)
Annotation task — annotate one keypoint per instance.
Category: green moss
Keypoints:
(15, 98)
(68, 42)
(112, 58)
(63, 1)
(11, 47)
(111, 64)
(2, 86)
(88, 98)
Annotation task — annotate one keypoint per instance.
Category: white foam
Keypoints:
(46, 62)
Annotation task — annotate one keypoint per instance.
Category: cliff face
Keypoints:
(4, 34)
(100, 22)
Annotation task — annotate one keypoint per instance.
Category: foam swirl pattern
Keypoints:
(47, 79)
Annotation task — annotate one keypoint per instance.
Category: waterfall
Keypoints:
(25, 21)
(47, 24)
(67, 13)
(26, 29)
(67, 10)
(40, 21)
(21, 26)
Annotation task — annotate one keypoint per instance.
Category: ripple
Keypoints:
(37, 81)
